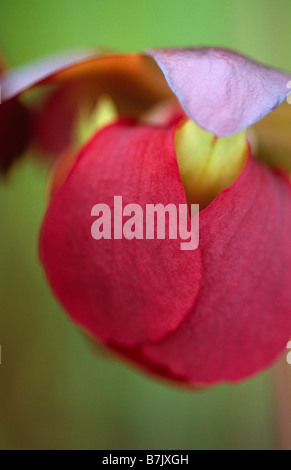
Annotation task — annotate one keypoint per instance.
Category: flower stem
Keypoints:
(282, 375)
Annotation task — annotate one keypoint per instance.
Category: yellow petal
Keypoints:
(272, 138)
(208, 164)
(89, 122)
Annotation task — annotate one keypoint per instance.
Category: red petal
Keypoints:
(124, 291)
(54, 121)
(14, 132)
(241, 320)
(136, 357)
(222, 90)
(14, 128)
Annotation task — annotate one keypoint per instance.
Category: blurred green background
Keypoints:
(54, 391)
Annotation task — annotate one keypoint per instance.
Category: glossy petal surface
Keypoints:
(125, 291)
(241, 320)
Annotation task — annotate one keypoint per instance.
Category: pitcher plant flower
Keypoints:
(167, 126)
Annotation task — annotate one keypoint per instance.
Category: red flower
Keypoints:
(14, 128)
(221, 312)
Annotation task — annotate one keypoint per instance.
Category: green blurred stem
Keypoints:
(282, 389)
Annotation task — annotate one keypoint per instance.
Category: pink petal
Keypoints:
(16, 81)
(124, 291)
(133, 81)
(241, 320)
(222, 90)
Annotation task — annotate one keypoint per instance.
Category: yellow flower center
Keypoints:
(208, 164)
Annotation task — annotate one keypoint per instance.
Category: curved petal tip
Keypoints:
(221, 90)
(18, 80)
